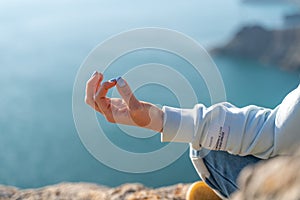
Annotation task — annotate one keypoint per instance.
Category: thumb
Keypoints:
(127, 94)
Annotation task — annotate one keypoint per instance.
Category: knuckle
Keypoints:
(105, 85)
(99, 99)
(87, 100)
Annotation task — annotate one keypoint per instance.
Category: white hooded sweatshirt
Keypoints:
(251, 130)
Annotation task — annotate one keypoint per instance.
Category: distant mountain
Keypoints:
(279, 47)
(264, 1)
(292, 19)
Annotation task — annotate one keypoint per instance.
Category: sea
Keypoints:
(44, 43)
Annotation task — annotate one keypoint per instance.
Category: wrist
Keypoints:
(156, 118)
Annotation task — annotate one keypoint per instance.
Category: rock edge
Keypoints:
(78, 191)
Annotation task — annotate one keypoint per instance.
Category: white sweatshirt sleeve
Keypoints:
(254, 130)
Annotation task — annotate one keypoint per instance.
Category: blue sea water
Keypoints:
(42, 45)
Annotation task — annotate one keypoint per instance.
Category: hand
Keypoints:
(126, 110)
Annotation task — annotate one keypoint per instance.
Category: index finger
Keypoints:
(103, 89)
(102, 102)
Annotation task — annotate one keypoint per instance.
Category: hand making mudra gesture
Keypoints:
(127, 110)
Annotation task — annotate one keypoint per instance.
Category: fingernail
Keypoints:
(121, 82)
(95, 72)
(112, 80)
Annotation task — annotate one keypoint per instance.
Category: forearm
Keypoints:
(242, 131)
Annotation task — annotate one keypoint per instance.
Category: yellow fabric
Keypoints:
(200, 191)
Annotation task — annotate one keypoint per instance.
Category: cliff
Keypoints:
(292, 19)
(275, 179)
(276, 47)
(88, 191)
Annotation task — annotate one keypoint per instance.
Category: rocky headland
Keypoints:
(276, 47)
(89, 191)
(292, 19)
(275, 179)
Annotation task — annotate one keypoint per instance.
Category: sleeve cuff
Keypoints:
(178, 125)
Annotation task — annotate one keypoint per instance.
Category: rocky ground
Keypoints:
(275, 179)
(88, 191)
(276, 47)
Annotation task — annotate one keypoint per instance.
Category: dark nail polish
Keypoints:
(121, 82)
(112, 80)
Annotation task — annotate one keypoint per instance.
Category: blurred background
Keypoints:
(43, 43)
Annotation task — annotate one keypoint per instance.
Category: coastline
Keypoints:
(276, 47)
